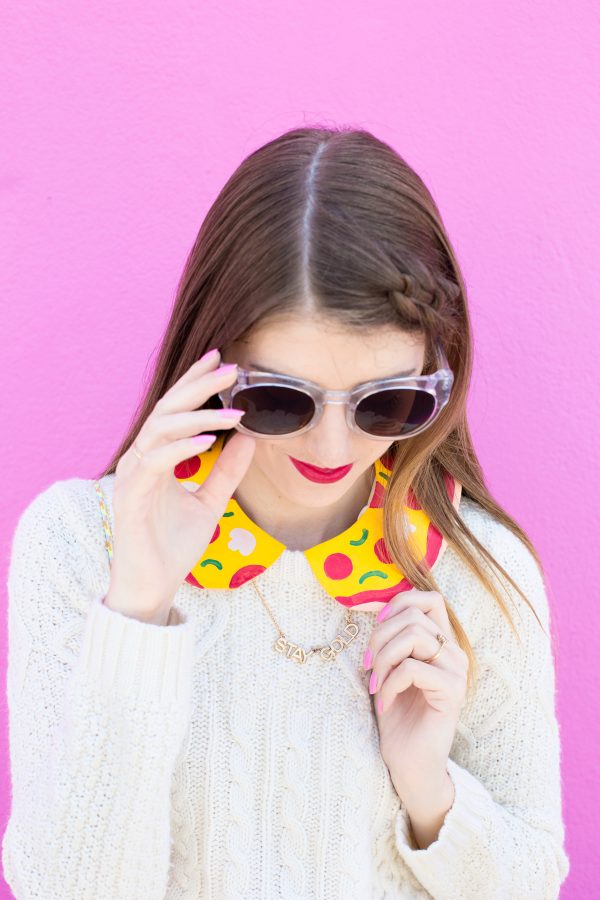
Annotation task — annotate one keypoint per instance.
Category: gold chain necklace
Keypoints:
(299, 654)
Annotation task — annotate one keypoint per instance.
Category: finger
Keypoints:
(430, 602)
(162, 429)
(383, 633)
(419, 643)
(438, 685)
(194, 392)
(228, 470)
(206, 363)
(160, 461)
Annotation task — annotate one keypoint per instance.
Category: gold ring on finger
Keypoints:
(442, 640)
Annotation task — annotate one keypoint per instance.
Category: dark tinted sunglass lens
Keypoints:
(273, 409)
(394, 412)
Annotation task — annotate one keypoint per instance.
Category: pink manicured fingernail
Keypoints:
(379, 705)
(226, 369)
(373, 683)
(383, 613)
(210, 353)
(204, 438)
(368, 659)
(231, 413)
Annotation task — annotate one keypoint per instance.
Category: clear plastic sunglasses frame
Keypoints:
(438, 384)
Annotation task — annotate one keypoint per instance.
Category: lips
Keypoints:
(318, 474)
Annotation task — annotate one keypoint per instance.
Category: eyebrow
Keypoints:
(252, 365)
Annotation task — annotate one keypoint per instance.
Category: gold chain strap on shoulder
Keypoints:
(108, 539)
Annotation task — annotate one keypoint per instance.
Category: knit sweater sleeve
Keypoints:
(95, 731)
(503, 836)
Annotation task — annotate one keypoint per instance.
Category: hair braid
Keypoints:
(426, 304)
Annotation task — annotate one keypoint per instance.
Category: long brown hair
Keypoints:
(333, 222)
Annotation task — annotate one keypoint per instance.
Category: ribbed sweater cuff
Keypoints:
(463, 825)
(149, 662)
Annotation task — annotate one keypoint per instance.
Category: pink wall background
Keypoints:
(122, 123)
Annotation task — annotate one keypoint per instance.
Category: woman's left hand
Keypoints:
(421, 700)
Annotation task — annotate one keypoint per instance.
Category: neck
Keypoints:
(300, 527)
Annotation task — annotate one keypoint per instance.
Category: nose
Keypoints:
(331, 438)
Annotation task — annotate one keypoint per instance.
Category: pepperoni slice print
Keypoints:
(246, 573)
(337, 566)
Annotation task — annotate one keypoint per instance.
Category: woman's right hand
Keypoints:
(161, 529)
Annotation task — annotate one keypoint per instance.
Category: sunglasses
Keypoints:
(278, 406)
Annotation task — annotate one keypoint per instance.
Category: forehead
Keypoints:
(333, 357)
(261, 367)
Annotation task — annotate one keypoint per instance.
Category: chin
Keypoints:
(313, 494)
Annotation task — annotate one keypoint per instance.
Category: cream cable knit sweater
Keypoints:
(191, 761)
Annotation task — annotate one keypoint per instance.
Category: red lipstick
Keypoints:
(315, 473)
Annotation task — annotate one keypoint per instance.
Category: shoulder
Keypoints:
(58, 557)
(65, 511)
(509, 551)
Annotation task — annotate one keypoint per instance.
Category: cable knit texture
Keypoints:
(192, 761)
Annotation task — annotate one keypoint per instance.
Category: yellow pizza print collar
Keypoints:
(353, 567)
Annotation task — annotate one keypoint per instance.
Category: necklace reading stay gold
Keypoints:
(299, 654)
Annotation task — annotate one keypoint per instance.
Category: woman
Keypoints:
(276, 660)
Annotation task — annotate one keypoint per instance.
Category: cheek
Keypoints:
(269, 455)
(271, 460)
(274, 455)
(371, 450)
